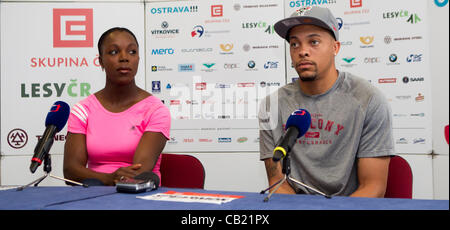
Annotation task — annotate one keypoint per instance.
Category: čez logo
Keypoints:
(72, 28)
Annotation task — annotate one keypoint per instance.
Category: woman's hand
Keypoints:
(125, 172)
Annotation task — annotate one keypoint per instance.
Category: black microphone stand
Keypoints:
(47, 170)
(286, 170)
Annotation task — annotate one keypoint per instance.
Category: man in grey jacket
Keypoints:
(347, 149)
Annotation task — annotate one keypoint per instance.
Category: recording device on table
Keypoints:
(140, 183)
(55, 121)
(297, 125)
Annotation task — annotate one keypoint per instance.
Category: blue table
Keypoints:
(106, 198)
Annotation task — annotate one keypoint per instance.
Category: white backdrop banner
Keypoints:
(49, 53)
(209, 61)
(212, 46)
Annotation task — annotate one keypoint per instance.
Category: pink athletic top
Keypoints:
(112, 138)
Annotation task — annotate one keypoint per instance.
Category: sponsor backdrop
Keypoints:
(386, 43)
(49, 53)
(210, 62)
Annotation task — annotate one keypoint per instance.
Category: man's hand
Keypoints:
(372, 177)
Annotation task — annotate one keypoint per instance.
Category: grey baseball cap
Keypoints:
(312, 15)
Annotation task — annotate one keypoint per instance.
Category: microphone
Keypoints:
(138, 184)
(296, 126)
(56, 120)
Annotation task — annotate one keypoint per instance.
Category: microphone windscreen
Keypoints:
(300, 119)
(58, 115)
(148, 176)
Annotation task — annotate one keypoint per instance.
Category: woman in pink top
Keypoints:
(120, 131)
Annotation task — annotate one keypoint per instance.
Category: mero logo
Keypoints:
(169, 51)
(72, 28)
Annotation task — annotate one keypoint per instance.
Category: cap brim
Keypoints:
(284, 26)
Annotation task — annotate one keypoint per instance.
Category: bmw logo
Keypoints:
(251, 64)
(393, 58)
